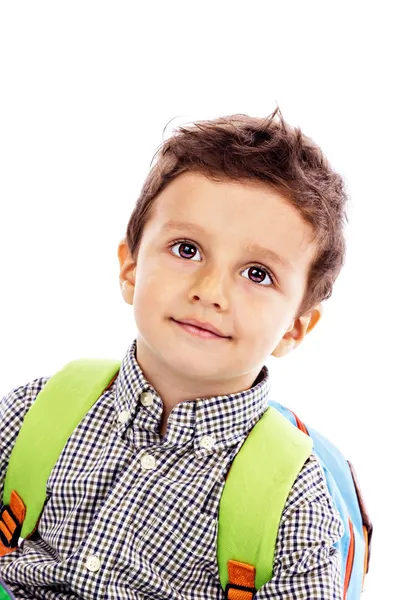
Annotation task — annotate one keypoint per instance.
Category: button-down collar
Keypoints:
(210, 424)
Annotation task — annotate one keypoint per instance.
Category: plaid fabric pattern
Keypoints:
(134, 515)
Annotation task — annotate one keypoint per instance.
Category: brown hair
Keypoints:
(269, 151)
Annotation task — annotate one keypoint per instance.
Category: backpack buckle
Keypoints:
(243, 588)
(10, 527)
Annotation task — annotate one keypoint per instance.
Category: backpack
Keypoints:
(252, 501)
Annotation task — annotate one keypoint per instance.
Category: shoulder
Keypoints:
(310, 485)
(23, 396)
(310, 495)
(306, 562)
(310, 524)
(14, 406)
(310, 512)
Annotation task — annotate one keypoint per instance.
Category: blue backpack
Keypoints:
(343, 486)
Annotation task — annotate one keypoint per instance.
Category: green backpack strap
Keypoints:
(254, 496)
(5, 593)
(55, 413)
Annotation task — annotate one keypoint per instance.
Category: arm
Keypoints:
(13, 408)
(306, 565)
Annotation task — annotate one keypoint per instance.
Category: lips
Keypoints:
(203, 326)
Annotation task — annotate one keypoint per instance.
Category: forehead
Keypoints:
(240, 214)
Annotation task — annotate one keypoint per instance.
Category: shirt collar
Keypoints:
(211, 423)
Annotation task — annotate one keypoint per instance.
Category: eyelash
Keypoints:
(259, 266)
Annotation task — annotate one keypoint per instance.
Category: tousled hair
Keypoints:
(263, 150)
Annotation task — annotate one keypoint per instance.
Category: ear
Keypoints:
(127, 271)
(298, 331)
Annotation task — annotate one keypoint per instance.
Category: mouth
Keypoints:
(198, 332)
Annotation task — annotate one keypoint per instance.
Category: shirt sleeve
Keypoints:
(13, 408)
(306, 565)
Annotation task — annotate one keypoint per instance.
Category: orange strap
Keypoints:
(11, 518)
(366, 554)
(300, 424)
(241, 581)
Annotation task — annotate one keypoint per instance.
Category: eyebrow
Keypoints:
(250, 247)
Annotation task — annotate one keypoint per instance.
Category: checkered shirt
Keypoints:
(133, 515)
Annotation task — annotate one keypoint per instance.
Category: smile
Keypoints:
(197, 332)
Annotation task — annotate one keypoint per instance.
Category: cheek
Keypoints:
(264, 324)
(154, 288)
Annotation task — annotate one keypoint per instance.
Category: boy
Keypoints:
(238, 228)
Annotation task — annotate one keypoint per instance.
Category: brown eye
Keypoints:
(259, 273)
(186, 249)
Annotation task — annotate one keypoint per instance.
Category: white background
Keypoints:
(87, 89)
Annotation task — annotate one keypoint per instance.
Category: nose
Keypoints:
(210, 288)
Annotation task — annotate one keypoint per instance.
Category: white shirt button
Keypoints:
(146, 398)
(207, 441)
(93, 563)
(148, 461)
(124, 416)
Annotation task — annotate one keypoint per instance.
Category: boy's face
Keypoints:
(212, 278)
